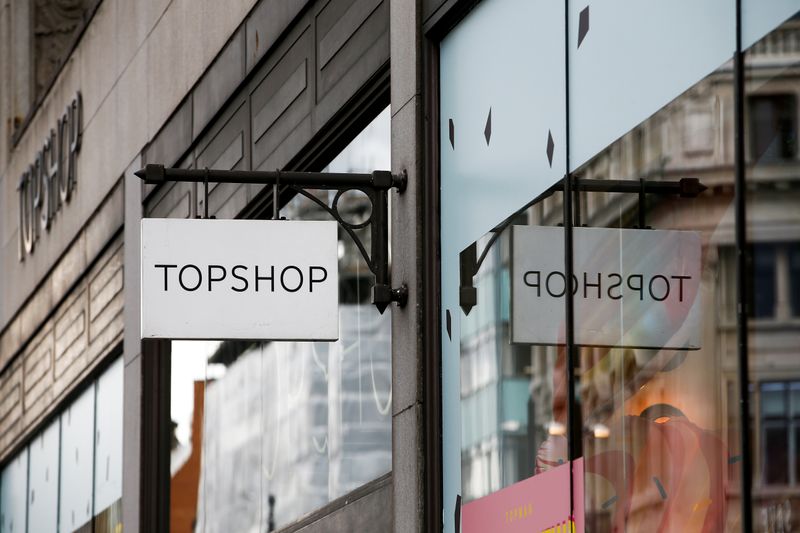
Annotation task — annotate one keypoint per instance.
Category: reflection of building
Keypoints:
(506, 389)
(693, 137)
(292, 426)
(673, 413)
(186, 474)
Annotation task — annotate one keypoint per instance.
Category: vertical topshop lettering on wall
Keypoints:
(49, 181)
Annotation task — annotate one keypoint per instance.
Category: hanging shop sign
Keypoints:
(49, 181)
(631, 288)
(239, 279)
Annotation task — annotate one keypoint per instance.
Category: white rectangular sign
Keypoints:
(633, 288)
(239, 279)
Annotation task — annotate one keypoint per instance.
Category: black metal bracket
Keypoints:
(470, 262)
(375, 186)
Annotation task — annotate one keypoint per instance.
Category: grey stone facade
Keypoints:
(247, 85)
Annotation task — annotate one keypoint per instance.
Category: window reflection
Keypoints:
(513, 416)
(666, 455)
(14, 484)
(266, 432)
(773, 127)
(660, 422)
(773, 196)
(660, 435)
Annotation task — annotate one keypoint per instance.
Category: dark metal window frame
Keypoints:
(444, 18)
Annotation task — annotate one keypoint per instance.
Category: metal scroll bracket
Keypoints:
(470, 261)
(374, 185)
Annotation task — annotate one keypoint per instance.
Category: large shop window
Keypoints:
(267, 432)
(69, 476)
(656, 424)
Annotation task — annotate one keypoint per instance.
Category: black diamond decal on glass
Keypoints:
(550, 147)
(583, 25)
(448, 320)
(452, 134)
(487, 131)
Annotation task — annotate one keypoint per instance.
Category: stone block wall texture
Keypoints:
(134, 65)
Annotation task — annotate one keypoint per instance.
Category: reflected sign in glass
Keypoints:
(633, 288)
(239, 279)
(539, 503)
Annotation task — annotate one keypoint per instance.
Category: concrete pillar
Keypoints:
(408, 458)
(132, 347)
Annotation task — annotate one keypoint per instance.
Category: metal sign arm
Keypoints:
(375, 185)
(470, 262)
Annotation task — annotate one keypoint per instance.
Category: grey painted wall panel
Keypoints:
(219, 82)
(267, 22)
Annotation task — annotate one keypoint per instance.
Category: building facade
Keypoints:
(646, 151)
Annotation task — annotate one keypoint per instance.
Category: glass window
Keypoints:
(70, 471)
(108, 449)
(658, 429)
(266, 432)
(773, 400)
(502, 145)
(762, 290)
(794, 277)
(43, 481)
(776, 454)
(773, 127)
(77, 464)
(780, 423)
(513, 418)
(13, 490)
(657, 382)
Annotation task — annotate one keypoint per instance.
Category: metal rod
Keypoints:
(740, 192)
(205, 194)
(686, 187)
(379, 179)
(642, 200)
(275, 198)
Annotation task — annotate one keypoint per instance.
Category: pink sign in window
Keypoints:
(537, 504)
